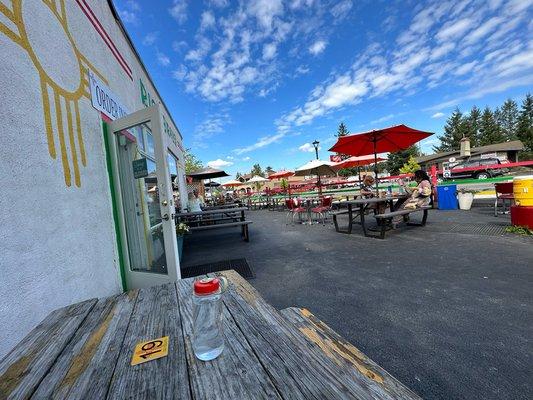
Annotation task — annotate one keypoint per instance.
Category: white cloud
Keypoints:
(219, 163)
(307, 148)
(230, 157)
(150, 38)
(163, 59)
(128, 14)
(219, 3)
(302, 70)
(465, 68)
(180, 73)
(341, 10)
(265, 11)
(179, 45)
(211, 126)
(438, 115)
(207, 21)
(204, 45)
(269, 51)
(317, 47)
(262, 142)
(246, 158)
(455, 29)
(178, 11)
(383, 119)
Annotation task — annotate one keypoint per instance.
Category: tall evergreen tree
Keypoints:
(472, 122)
(490, 132)
(257, 170)
(342, 130)
(454, 130)
(525, 123)
(398, 159)
(507, 119)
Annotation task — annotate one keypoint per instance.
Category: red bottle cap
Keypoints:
(206, 286)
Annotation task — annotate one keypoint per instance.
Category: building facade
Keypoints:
(91, 163)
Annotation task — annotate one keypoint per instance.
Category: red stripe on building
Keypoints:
(103, 34)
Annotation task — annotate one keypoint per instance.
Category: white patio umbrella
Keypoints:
(257, 180)
(318, 168)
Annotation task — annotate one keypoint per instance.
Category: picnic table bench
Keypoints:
(217, 219)
(386, 218)
(356, 209)
(84, 351)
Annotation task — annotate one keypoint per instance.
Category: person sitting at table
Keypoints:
(367, 190)
(195, 201)
(421, 194)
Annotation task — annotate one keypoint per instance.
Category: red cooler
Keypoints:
(522, 216)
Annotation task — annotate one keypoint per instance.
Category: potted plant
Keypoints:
(465, 197)
(181, 229)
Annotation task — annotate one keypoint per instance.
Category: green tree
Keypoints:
(342, 130)
(489, 129)
(525, 123)
(410, 166)
(472, 123)
(257, 170)
(238, 175)
(269, 170)
(192, 164)
(396, 160)
(455, 129)
(507, 119)
(284, 184)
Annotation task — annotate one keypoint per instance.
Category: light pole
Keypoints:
(315, 145)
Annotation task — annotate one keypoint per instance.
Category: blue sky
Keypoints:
(258, 80)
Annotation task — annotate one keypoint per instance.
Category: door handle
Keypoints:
(165, 217)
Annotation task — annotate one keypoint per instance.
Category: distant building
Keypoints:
(505, 152)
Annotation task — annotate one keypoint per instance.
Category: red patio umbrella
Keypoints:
(280, 174)
(394, 138)
(357, 162)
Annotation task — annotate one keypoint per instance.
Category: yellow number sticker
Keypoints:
(150, 350)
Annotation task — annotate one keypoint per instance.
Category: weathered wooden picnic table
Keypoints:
(360, 206)
(84, 351)
(215, 219)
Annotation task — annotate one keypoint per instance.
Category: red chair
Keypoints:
(324, 208)
(293, 208)
(504, 192)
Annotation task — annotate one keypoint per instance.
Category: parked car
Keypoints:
(480, 171)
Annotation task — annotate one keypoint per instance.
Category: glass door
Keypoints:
(147, 197)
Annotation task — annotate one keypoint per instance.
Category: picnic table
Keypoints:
(215, 219)
(360, 206)
(84, 351)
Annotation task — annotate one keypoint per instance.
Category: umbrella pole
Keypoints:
(359, 173)
(376, 166)
(319, 186)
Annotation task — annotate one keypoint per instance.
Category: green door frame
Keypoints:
(116, 220)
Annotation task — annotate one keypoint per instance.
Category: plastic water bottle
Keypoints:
(208, 341)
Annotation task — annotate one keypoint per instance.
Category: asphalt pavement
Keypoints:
(447, 308)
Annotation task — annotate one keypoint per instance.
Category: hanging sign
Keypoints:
(150, 350)
(140, 168)
(104, 100)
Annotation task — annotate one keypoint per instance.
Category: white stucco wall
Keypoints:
(58, 242)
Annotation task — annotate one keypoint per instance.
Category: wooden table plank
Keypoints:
(85, 367)
(344, 353)
(26, 365)
(155, 315)
(236, 373)
(287, 354)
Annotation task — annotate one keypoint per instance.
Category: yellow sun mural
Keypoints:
(62, 72)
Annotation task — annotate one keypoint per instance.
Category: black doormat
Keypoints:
(240, 265)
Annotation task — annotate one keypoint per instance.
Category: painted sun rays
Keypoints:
(60, 92)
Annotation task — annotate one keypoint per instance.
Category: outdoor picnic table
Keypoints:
(84, 351)
(211, 215)
(360, 206)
